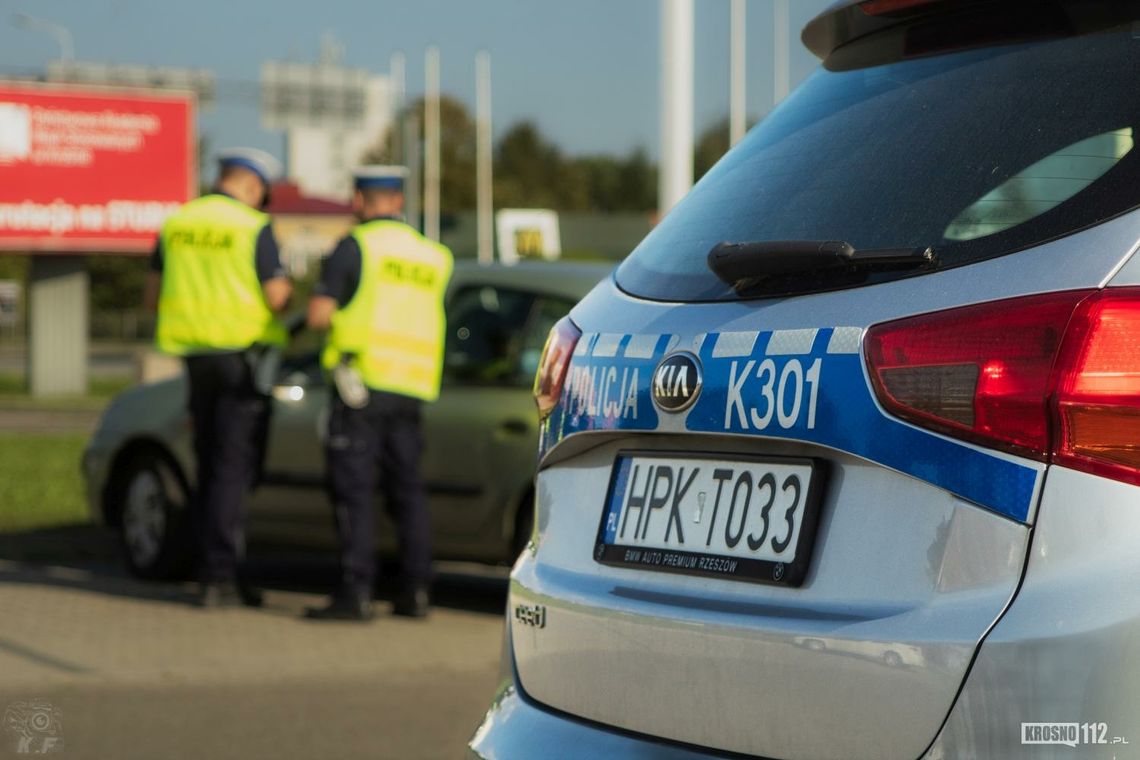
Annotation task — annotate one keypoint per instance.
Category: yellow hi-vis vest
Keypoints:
(393, 328)
(211, 299)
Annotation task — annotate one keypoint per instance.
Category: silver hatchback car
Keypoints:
(844, 461)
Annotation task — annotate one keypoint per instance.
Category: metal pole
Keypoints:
(676, 175)
(413, 193)
(782, 50)
(396, 107)
(737, 97)
(431, 146)
(483, 166)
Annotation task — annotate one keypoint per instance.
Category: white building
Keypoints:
(320, 159)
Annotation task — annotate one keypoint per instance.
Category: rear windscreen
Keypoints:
(975, 153)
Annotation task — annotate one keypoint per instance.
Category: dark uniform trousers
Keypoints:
(378, 445)
(229, 427)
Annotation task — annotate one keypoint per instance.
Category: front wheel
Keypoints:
(153, 522)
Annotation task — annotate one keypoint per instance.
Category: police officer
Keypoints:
(380, 296)
(218, 281)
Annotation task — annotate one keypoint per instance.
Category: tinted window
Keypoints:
(485, 335)
(976, 153)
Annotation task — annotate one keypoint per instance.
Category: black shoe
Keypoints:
(412, 602)
(353, 605)
(221, 594)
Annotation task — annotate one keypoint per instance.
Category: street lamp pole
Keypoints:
(676, 173)
(62, 34)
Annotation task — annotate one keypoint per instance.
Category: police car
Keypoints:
(843, 461)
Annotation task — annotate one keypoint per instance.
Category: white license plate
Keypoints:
(734, 517)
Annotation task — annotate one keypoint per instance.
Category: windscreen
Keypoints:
(975, 153)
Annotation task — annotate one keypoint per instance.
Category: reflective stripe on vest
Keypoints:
(393, 328)
(211, 298)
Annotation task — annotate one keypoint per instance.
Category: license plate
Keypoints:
(734, 517)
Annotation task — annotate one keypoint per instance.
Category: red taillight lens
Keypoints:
(982, 373)
(1054, 376)
(552, 367)
(1098, 388)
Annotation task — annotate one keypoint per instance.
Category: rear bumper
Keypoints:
(515, 726)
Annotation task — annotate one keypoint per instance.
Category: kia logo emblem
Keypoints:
(677, 382)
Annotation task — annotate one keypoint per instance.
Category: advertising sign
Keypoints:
(527, 233)
(86, 169)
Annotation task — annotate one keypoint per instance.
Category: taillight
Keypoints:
(552, 367)
(981, 372)
(1098, 388)
(1053, 377)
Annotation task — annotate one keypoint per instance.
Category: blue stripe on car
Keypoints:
(608, 389)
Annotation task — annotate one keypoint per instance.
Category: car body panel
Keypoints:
(515, 726)
(1068, 650)
(639, 650)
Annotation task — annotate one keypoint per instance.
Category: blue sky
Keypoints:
(586, 71)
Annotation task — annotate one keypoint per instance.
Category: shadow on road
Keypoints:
(88, 557)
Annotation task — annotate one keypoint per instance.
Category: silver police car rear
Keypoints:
(795, 452)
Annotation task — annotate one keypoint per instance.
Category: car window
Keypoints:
(975, 153)
(485, 335)
(1043, 186)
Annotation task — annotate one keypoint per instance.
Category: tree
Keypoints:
(619, 185)
(457, 150)
(531, 172)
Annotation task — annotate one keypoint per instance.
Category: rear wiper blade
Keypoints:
(742, 265)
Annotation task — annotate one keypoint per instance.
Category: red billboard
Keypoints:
(88, 169)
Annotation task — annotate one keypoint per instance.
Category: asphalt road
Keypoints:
(131, 669)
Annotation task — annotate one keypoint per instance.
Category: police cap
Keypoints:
(265, 166)
(376, 177)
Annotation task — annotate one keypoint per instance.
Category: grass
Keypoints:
(100, 390)
(40, 482)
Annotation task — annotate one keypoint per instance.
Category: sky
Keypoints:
(586, 71)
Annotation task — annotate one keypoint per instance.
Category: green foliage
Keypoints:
(457, 150)
(14, 268)
(117, 281)
(14, 394)
(615, 185)
(42, 486)
(530, 170)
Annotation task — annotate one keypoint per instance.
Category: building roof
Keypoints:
(287, 198)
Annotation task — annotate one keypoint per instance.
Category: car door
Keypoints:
(480, 433)
(290, 504)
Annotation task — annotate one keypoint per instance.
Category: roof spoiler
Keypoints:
(944, 25)
(846, 20)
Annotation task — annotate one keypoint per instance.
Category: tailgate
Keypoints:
(855, 646)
